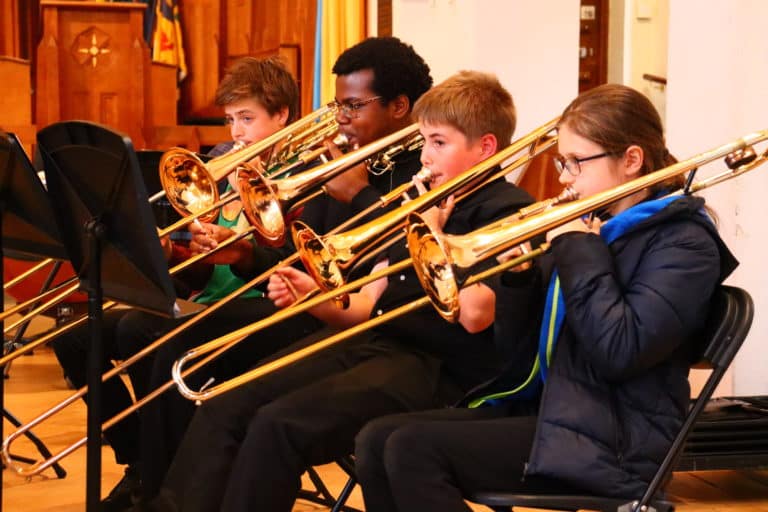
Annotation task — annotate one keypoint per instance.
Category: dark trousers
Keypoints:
(433, 459)
(71, 349)
(164, 420)
(247, 449)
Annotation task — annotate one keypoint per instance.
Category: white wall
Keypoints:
(718, 91)
(646, 23)
(616, 21)
(537, 62)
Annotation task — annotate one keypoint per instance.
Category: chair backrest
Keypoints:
(728, 324)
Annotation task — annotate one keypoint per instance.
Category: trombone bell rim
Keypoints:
(433, 267)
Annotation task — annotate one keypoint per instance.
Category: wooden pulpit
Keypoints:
(93, 64)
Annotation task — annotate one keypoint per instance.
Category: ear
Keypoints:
(488, 145)
(400, 107)
(283, 116)
(633, 161)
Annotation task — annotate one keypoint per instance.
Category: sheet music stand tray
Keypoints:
(104, 217)
(27, 225)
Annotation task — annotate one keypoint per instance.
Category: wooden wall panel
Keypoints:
(93, 48)
(239, 20)
(19, 21)
(217, 32)
(27, 135)
(162, 94)
(10, 38)
(540, 179)
(16, 99)
(201, 27)
(294, 25)
(67, 85)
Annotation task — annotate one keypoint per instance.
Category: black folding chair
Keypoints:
(728, 325)
(323, 496)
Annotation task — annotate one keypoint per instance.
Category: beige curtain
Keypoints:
(343, 25)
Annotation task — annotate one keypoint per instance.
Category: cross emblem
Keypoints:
(90, 45)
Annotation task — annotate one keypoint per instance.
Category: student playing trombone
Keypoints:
(635, 285)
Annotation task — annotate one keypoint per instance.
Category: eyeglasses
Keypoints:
(351, 109)
(573, 165)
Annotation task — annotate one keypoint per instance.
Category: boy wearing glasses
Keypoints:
(384, 68)
(248, 447)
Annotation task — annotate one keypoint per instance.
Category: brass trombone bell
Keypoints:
(190, 185)
(267, 201)
(441, 261)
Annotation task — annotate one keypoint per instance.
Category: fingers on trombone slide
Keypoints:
(282, 290)
(516, 252)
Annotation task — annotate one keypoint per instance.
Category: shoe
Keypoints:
(125, 493)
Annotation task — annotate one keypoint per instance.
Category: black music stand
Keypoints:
(27, 226)
(103, 214)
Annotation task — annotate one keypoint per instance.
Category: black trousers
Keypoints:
(71, 349)
(431, 460)
(165, 419)
(246, 449)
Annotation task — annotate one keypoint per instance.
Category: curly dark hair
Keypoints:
(397, 68)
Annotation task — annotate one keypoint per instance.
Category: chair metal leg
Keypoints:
(323, 496)
(344, 496)
(320, 495)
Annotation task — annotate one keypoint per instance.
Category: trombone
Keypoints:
(27, 273)
(739, 156)
(385, 200)
(363, 237)
(189, 183)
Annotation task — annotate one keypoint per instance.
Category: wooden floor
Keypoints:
(36, 383)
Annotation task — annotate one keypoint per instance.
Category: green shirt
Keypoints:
(223, 281)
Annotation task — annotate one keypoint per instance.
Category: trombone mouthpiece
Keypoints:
(341, 140)
(424, 175)
(567, 195)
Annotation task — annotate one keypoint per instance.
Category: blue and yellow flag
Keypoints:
(167, 44)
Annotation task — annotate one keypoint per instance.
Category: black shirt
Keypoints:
(467, 357)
